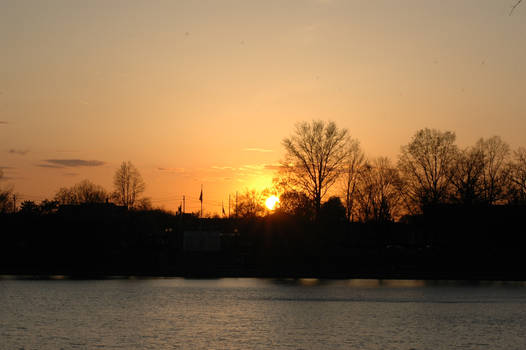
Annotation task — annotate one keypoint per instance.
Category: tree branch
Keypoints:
(515, 6)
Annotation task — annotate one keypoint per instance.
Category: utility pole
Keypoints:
(184, 204)
(229, 205)
(236, 204)
(14, 203)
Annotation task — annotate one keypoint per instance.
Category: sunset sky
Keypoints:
(203, 92)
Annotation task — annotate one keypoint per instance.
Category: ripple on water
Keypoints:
(258, 314)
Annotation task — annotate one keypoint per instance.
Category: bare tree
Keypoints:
(295, 203)
(128, 184)
(425, 164)
(251, 203)
(517, 171)
(466, 176)
(6, 196)
(350, 174)
(65, 195)
(378, 192)
(84, 192)
(88, 192)
(144, 203)
(5, 200)
(495, 175)
(314, 156)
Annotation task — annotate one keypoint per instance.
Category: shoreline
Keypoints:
(442, 277)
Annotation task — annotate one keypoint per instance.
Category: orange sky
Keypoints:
(203, 92)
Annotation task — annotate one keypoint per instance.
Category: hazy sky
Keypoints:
(203, 92)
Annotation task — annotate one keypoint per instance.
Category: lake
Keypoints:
(260, 314)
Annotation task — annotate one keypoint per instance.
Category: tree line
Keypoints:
(323, 165)
(128, 187)
(439, 211)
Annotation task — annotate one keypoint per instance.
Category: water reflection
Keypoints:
(251, 313)
(299, 281)
(373, 283)
(259, 282)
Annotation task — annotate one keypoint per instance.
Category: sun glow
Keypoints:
(271, 202)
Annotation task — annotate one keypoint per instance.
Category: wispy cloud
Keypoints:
(50, 166)
(3, 122)
(252, 167)
(273, 166)
(71, 163)
(262, 150)
(21, 152)
(172, 170)
(71, 174)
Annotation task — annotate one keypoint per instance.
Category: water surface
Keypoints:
(260, 314)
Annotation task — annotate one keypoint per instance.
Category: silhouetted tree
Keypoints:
(296, 204)
(48, 206)
(65, 196)
(517, 171)
(314, 155)
(466, 176)
(333, 210)
(495, 175)
(128, 184)
(251, 203)
(379, 191)
(425, 164)
(29, 207)
(84, 192)
(5, 200)
(144, 204)
(6, 196)
(350, 174)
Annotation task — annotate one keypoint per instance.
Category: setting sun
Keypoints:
(271, 202)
